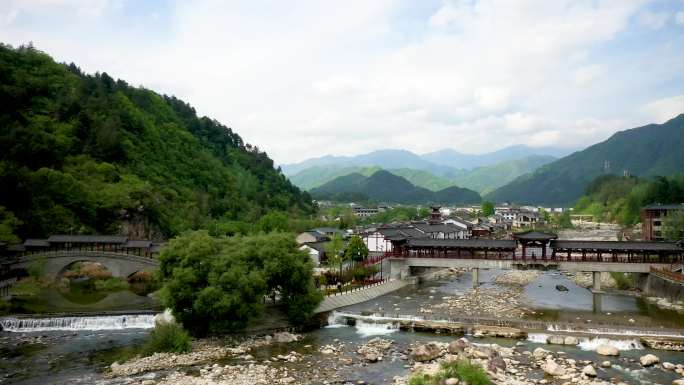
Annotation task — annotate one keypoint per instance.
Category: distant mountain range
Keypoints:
(482, 179)
(453, 158)
(442, 163)
(384, 186)
(655, 149)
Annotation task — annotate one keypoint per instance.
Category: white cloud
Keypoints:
(307, 78)
(664, 109)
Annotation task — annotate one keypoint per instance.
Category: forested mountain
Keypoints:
(655, 149)
(481, 179)
(384, 186)
(89, 154)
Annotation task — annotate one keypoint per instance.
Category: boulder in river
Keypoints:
(427, 352)
(649, 360)
(678, 382)
(589, 371)
(540, 353)
(570, 340)
(561, 288)
(607, 350)
(458, 346)
(552, 368)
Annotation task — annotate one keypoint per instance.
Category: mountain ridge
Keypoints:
(383, 186)
(650, 150)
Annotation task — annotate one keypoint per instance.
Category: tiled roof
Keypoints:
(87, 239)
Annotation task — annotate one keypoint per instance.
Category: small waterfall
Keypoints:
(366, 326)
(336, 321)
(117, 322)
(537, 338)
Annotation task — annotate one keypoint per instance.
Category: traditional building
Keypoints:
(652, 217)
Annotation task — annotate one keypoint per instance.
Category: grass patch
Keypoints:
(464, 370)
(170, 338)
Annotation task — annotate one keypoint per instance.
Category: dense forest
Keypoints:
(620, 199)
(648, 151)
(86, 153)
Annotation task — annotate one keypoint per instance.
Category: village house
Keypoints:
(652, 218)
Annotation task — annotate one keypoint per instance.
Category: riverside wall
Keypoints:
(656, 286)
(333, 302)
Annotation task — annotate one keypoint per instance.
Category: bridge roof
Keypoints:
(473, 243)
(87, 239)
(617, 245)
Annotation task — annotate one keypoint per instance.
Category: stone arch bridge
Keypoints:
(119, 264)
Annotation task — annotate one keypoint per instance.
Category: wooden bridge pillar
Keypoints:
(476, 277)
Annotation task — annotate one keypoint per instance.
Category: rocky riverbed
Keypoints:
(327, 364)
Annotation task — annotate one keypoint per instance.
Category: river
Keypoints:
(73, 351)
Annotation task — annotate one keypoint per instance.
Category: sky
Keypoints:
(301, 79)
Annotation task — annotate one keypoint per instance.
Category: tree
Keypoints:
(357, 250)
(487, 208)
(217, 285)
(8, 225)
(673, 225)
(273, 221)
(334, 250)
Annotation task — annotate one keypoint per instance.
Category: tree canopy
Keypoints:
(216, 285)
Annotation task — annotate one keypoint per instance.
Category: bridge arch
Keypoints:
(119, 264)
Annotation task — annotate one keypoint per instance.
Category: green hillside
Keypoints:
(89, 154)
(384, 186)
(655, 149)
(488, 178)
(423, 179)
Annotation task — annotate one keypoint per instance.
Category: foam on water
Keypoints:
(367, 329)
(118, 322)
(593, 343)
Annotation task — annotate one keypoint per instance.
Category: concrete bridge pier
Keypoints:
(597, 303)
(596, 287)
(476, 277)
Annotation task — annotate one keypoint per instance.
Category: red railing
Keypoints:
(664, 273)
(559, 257)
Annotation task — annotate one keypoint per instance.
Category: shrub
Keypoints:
(169, 337)
(27, 287)
(624, 281)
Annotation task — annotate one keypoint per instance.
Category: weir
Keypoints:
(75, 323)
